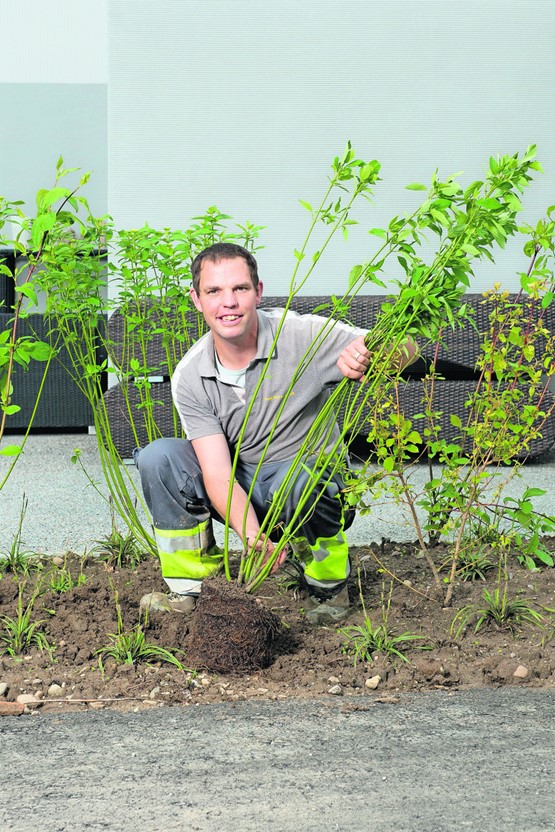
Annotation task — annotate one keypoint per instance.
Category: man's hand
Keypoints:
(355, 359)
(262, 543)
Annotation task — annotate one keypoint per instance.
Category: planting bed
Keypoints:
(307, 660)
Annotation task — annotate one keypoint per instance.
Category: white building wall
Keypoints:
(244, 105)
(54, 42)
(53, 95)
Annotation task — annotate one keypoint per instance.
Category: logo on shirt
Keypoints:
(279, 396)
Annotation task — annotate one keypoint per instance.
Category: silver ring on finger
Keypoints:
(356, 356)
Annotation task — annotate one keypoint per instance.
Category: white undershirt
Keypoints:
(235, 378)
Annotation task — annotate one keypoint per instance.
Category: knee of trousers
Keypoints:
(156, 454)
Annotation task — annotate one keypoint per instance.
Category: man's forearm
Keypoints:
(404, 355)
(242, 516)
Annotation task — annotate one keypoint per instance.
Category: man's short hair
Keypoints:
(223, 251)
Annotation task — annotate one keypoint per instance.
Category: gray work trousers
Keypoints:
(176, 497)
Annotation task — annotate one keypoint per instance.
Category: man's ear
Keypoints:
(259, 292)
(195, 299)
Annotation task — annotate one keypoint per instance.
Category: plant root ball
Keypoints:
(229, 631)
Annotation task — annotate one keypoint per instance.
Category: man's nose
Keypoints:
(228, 298)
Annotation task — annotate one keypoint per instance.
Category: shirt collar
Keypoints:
(265, 338)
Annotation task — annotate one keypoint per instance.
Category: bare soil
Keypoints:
(305, 660)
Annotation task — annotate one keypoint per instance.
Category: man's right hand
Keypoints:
(262, 543)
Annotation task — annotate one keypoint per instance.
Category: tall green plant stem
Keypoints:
(367, 175)
(44, 221)
(254, 563)
(487, 220)
(124, 496)
(30, 423)
(149, 268)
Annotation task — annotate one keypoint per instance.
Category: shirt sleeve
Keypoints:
(333, 337)
(196, 411)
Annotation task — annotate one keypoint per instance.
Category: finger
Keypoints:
(360, 357)
(280, 560)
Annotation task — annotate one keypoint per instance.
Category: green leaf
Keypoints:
(28, 290)
(41, 225)
(544, 556)
(10, 409)
(10, 450)
(369, 171)
(416, 186)
(534, 492)
(354, 275)
(414, 436)
(389, 464)
(306, 205)
(40, 351)
(45, 199)
(468, 248)
(40, 196)
(379, 232)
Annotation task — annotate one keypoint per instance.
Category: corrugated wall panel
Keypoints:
(53, 95)
(43, 121)
(245, 104)
(53, 42)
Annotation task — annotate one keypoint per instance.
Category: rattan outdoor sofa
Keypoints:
(454, 360)
(62, 405)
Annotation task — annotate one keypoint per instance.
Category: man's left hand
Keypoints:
(355, 359)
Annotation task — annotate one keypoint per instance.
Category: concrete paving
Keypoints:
(430, 762)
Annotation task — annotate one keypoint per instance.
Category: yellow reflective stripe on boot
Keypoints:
(330, 559)
(188, 553)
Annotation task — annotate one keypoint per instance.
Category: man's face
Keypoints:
(228, 300)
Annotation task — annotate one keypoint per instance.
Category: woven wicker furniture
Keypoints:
(62, 405)
(455, 360)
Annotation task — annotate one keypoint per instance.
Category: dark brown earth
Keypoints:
(306, 660)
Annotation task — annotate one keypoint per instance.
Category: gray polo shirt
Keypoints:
(208, 406)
